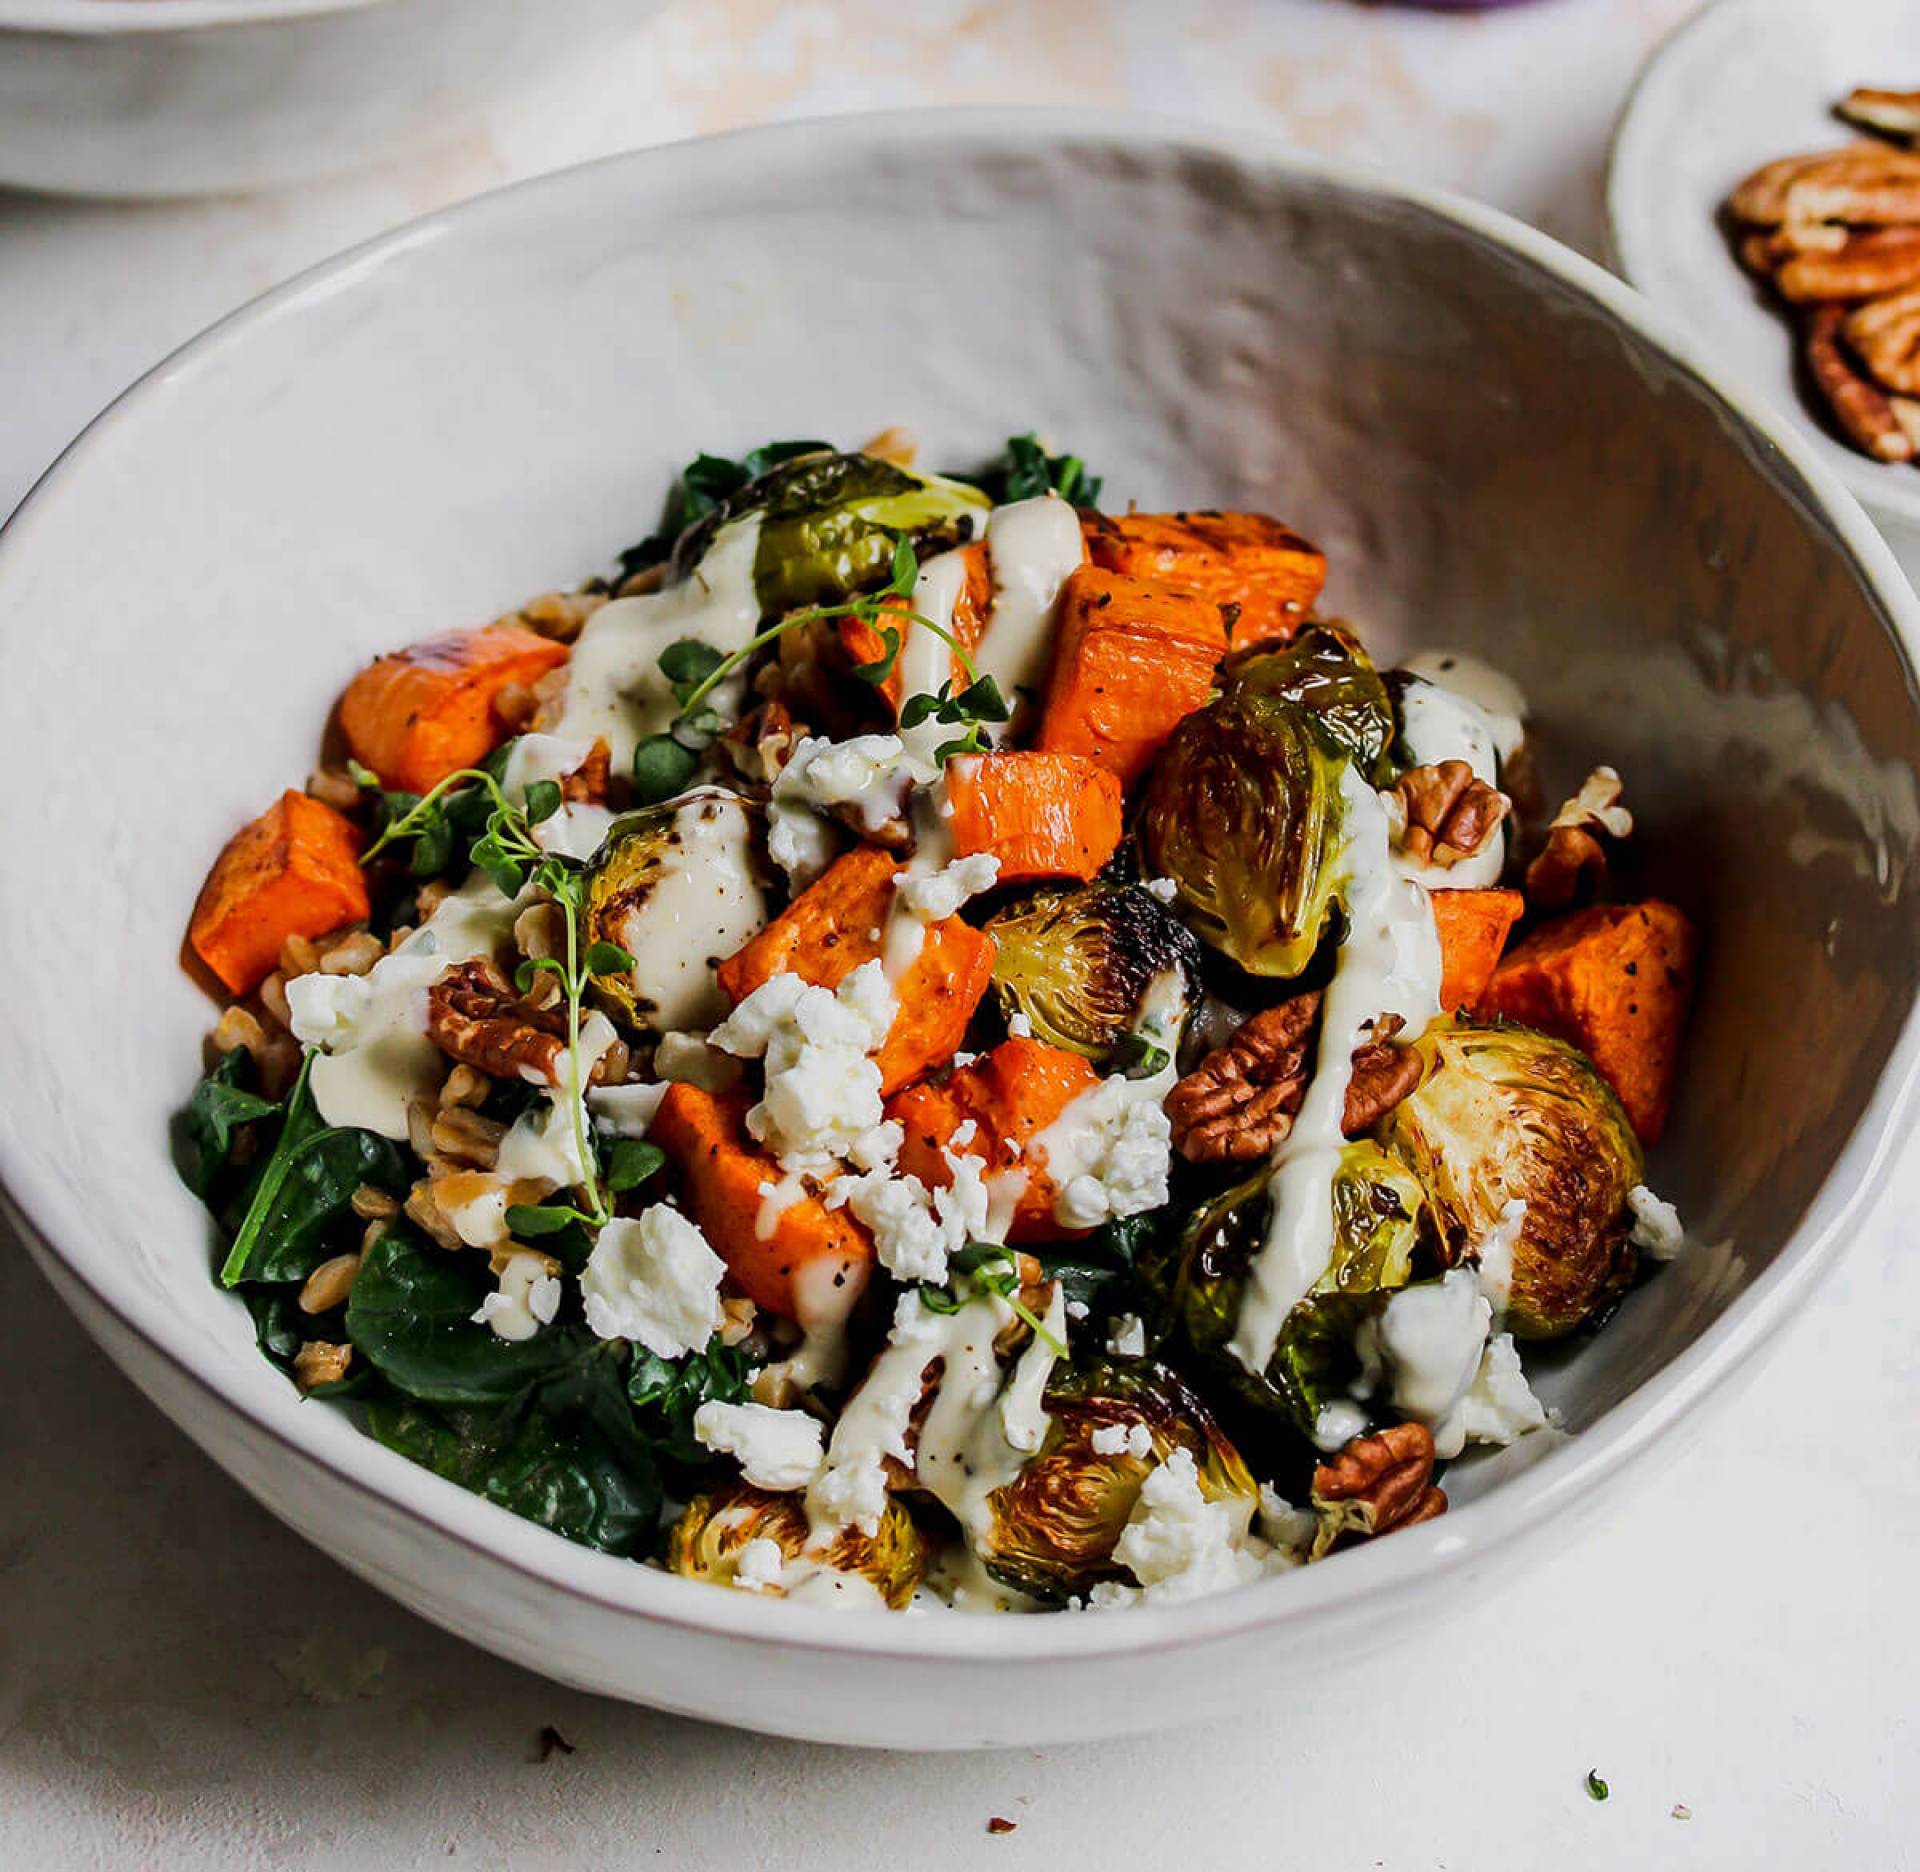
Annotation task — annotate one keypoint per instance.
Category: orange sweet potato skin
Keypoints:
(831, 928)
(1615, 981)
(427, 711)
(864, 644)
(812, 1250)
(294, 871)
(1472, 926)
(1246, 560)
(1130, 660)
(1011, 1096)
(1042, 815)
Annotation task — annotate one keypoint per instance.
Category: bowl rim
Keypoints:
(1889, 489)
(1376, 1576)
(156, 19)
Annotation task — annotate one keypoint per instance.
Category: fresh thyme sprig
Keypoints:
(993, 1268)
(664, 763)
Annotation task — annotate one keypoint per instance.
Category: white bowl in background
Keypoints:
(1739, 84)
(185, 97)
(1501, 447)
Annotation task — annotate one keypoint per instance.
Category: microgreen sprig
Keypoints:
(992, 1268)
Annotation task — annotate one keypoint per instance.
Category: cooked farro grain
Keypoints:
(613, 1066)
(643, 582)
(353, 954)
(561, 615)
(466, 1137)
(420, 1116)
(279, 1063)
(374, 1231)
(431, 895)
(465, 1086)
(318, 1363)
(329, 1284)
(273, 1000)
(545, 991)
(335, 787)
(513, 707)
(299, 955)
(240, 1027)
(541, 930)
(737, 1322)
(424, 1212)
(371, 1203)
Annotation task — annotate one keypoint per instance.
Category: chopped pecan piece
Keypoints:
(1859, 405)
(762, 741)
(1450, 814)
(1866, 264)
(1573, 851)
(474, 1016)
(1891, 113)
(1885, 333)
(1241, 1100)
(1862, 184)
(1376, 1484)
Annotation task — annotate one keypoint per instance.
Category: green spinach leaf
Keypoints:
(704, 484)
(667, 1392)
(411, 1316)
(222, 1102)
(299, 1206)
(1026, 471)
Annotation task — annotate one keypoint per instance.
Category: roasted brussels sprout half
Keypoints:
(1324, 669)
(679, 887)
(1505, 1114)
(1243, 811)
(1380, 1221)
(707, 1541)
(1055, 1525)
(1103, 970)
(829, 525)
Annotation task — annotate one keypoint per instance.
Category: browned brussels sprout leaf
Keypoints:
(1243, 812)
(1505, 1114)
(1055, 1525)
(1324, 669)
(706, 1543)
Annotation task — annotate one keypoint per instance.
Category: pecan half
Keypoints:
(1241, 1100)
(1864, 264)
(1450, 814)
(1863, 184)
(1573, 850)
(1886, 334)
(474, 1016)
(1374, 1485)
(1891, 113)
(1861, 408)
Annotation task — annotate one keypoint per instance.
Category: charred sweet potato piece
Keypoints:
(1041, 815)
(427, 711)
(1615, 981)
(1130, 660)
(863, 643)
(294, 871)
(836, 924)
(810, 1252)
(1010, 1097)
(1473, 926)
(1269, 574)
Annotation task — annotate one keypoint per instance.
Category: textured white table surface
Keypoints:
(184, 1683)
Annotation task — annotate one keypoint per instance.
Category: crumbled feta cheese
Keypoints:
(821, 1099)
(653, 1279)
(688, 1059)
(869, 775)
(939, 895)
(626, 1110)
(1178, 1544)
(1077, 1310)
(1288, 1530)
(1109, 1440)
(1501, 1407)
(1164, 888)
(776, 1449)
(1494, 1255)
(1139, 1441)
(915, 1229)
(1128, 1337)
(1656, 1224)
(1109, 1154)
(527, 1298)
(1019, 1026)
(1337, 1423)
(1430, 1338)
(758, 1564)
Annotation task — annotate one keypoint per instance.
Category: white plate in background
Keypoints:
(1741, 83)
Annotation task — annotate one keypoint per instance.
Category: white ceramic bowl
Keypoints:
(1741, 83)
(1501, 447)
(180, 97)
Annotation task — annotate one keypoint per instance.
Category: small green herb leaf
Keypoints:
(881, 667)
(630, 1162)
(530, 1220)
(543, 801)
(1596, 1788)
(607, 958)
(662, 768)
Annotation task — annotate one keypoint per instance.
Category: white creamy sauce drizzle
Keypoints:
(376, 1057)
(1492, 692)
(1389, 964)
(706, 903)
(615, 687)
(1035, 546)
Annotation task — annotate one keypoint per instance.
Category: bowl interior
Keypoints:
(491, 404)
(1743, 83)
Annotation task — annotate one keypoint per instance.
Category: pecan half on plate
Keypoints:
(1376, 1484)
